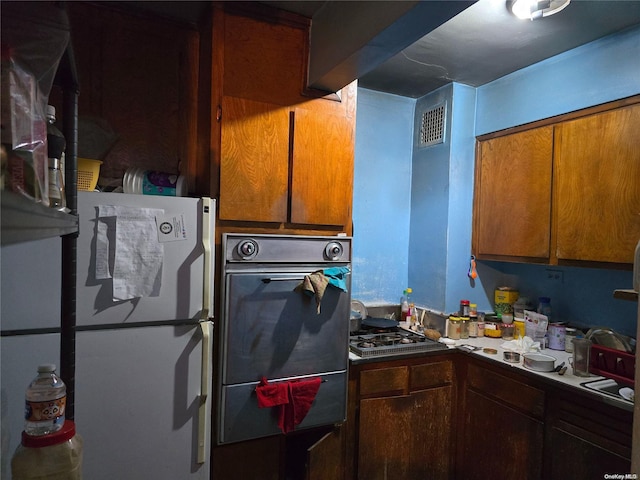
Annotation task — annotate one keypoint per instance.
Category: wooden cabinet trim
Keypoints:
(563, 117)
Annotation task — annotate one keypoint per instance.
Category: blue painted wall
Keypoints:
(428, 248)
(382, 197)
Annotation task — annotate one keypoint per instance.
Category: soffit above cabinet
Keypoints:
(412, 48)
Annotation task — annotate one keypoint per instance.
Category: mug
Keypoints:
(580, 360)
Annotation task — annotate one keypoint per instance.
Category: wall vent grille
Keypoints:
(432, 126)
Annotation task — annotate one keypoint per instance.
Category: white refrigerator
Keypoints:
(143, 359)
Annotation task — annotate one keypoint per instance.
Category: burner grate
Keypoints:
(391, 344)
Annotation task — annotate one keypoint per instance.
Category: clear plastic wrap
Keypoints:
(35, 35)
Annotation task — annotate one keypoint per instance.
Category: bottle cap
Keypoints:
(47, 367)
(409, 290)
(51, 112)
(67, 432)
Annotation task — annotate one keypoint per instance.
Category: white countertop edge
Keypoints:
(560, 355)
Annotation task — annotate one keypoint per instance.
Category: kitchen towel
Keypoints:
(337, 276)
(294, 400)
(272, 394)
(314, 285)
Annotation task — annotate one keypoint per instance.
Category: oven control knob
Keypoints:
(247, 249)
(333, 251)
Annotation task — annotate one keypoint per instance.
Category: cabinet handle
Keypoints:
(219, 113)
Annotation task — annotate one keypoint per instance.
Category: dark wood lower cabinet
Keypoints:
(499, 442)
(403, 420)
(587, 440)
(502, 431)
(445, 417)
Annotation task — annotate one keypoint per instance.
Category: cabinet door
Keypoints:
(512, 208)
(580, 454)
(322, 170)
(254, 161)
(597, 192)
(406, 436)
(500, 442)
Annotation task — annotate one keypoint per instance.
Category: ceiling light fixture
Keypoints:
(532, 9)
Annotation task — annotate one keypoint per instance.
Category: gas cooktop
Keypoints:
(397, 341)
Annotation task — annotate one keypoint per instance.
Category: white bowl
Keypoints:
(539, 362)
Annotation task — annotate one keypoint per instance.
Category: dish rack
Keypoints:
(611, 363)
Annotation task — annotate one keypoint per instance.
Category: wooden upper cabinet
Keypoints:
(322, 172)
(284, 153)
(512, 210)
(563, 193)
(597, 186)
(254, 161)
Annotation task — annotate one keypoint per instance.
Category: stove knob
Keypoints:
(247, 249)
(333, 251)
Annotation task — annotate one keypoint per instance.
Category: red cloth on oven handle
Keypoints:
(272, 394)
(294, 399)
(302, 393)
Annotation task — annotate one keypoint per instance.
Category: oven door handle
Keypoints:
(282, 279)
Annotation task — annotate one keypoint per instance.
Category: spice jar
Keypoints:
(464, 327)
(473, 327)
(464, 308)
(507, 330)
(454, 327)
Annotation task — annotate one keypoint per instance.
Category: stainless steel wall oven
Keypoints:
(270, 329)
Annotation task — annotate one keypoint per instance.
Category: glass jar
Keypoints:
(464, 308)
(570, 335)
(464, 327)
(480, 324)
(454, 328)
(507, 330)
(473, 327)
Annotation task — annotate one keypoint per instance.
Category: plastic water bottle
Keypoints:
(544, 307)
(45, 402)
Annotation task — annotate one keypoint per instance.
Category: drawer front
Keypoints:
(507, 390)
(431, 375)
(392, 381)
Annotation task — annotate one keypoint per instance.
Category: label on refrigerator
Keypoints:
(171, 227)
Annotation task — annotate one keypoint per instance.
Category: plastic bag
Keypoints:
(35, 35)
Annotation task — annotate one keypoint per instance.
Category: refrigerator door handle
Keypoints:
(208, 235)
(204, 412)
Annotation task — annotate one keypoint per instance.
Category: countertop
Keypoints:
(567, 380)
